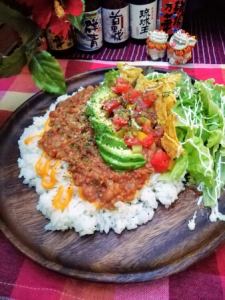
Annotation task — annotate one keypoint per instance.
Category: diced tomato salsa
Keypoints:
(134, 118)
(160, 161)
(131, 141)
(122, 86)
(110, 105)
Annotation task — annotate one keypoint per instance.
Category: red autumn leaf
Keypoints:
(42, 11)
(74, 8)
(44, 14)
(59, 26)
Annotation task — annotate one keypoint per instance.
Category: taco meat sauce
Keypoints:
(71, 139)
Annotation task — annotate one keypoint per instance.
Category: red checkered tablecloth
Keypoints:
(22, 279)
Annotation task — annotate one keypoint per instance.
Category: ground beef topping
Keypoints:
(71, 139)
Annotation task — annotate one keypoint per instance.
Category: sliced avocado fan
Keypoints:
(112, 149)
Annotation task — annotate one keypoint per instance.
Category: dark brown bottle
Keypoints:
(142, 18)
(59, 46)
(115, 14)
(89, 38)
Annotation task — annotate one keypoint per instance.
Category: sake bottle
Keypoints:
(59, 46)
(142, 18)
(89, 37)
(115, 15)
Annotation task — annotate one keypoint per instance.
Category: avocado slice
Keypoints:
(118, 165)
(113, 140)
(94, 105)
(112, 148)
(120, 154)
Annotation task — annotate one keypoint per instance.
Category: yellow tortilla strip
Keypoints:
(163, 106)
(173, 78)
(128, 72)
(144, 84)
(169, 140)
(170, 101)
(161, 110)
(163, 87)
(168, 96)
(172, 148)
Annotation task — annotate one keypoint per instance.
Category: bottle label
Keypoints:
(142, 19)
(58, 43)
(116, 24)
(171, 15)
(90, 36)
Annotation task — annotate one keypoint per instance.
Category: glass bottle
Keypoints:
(115, 14)
(59, 46)
(142, 18)
(170, 15)
(89, 38)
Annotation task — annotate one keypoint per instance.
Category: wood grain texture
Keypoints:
(162, 247)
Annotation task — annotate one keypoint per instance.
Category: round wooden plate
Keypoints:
(162, 247)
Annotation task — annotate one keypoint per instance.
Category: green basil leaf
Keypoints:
(29, 33)
(76, 21)
(27, 29)
(11, 65)
(46, 73)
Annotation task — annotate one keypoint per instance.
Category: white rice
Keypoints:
(81, 215)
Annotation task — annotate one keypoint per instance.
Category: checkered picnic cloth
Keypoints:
(22, 279)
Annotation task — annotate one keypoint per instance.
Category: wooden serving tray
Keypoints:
(160, 248)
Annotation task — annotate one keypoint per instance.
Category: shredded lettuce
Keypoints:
(200, 162)
(212, 193)
(155, 75)
(200, 110)
(200, 127)
(211, 114)
(179, 169)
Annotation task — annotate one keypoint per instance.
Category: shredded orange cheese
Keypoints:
(31, 138)
(46, 169)
(62, 197)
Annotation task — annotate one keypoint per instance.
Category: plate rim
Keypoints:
(113, 277)
(94, 276)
